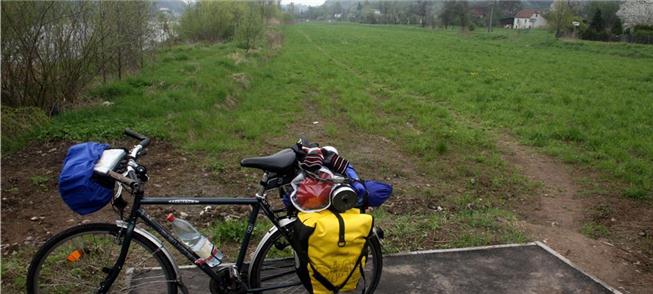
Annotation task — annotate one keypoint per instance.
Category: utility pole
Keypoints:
(489, 24)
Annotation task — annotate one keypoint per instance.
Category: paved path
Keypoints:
(529, 268)
(514, 269)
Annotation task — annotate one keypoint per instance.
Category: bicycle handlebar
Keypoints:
(144, 140)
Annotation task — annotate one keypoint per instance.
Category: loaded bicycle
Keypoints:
(125, 257)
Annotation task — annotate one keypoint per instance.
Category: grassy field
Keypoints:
(425, 100)
(585, 102)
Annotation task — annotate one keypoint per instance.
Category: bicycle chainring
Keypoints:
(227, 283)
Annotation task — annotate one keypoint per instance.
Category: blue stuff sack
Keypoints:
(356, 183)
(377, 192)
(81, 192)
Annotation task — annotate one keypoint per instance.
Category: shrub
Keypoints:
(250, 27)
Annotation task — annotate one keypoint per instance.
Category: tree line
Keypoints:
(242, 22)
(464, 14)
(595, 20)
(52, 49)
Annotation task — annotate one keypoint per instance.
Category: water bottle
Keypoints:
(207, 252)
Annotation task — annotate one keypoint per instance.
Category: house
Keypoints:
(507, 22)
(529, 19)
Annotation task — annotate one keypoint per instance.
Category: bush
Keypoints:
(641, 34)
(593, 35)
(216, 21)
(52, 50)
(250, 27)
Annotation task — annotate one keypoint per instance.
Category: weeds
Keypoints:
(594, 230)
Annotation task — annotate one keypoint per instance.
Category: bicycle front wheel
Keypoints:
(274, 267)
(78, 259)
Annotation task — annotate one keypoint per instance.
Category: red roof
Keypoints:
(526, 13)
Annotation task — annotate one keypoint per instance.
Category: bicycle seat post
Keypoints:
(263, 184)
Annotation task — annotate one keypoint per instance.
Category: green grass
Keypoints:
(594, 230)
(188, 95)
(585, 102)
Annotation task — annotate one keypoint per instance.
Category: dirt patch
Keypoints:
(557, 213)
(558, 203)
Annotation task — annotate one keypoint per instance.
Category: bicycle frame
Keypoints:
(257, 203)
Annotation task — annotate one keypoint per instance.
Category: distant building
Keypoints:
(507, 22)
(529, 19)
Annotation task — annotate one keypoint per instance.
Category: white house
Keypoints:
(529, 19)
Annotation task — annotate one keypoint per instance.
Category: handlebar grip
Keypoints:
(144, 140)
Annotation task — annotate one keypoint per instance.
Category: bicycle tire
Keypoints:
(81, 272)
(288, 263)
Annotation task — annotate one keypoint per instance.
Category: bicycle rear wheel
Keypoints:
(274, 266)
(78, 259)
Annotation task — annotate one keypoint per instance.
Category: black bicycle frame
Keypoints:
(257, 203)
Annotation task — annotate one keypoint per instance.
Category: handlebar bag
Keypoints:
(332, 249)
(78, 186)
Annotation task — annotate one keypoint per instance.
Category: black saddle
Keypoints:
(278, 162)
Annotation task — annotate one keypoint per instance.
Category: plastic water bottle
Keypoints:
(207, 252)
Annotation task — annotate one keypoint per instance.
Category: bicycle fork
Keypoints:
(113, 273)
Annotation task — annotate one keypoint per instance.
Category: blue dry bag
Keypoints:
(377, 192)
(77, 186)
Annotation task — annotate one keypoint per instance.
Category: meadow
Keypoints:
(420, 108)
(585, 102)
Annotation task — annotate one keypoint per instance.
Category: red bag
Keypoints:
(313, 195)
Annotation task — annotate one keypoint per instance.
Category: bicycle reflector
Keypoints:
(74, 256)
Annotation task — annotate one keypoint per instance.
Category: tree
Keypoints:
(463, 15)
(597, 24)
(447, 14)
(422, 10)
(608, 12)
(510, 7)
(560, 17)
(596, 30)
(636, 12)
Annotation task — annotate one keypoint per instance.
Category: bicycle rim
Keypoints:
(276, 263)
(79, 259)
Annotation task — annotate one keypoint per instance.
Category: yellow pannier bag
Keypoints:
(334, 249)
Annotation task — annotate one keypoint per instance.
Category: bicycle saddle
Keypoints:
(277, 162)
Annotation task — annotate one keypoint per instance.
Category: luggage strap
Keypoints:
(341, 230)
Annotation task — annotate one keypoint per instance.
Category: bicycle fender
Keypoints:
(158, 243)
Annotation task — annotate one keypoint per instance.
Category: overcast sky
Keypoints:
(305, 2)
